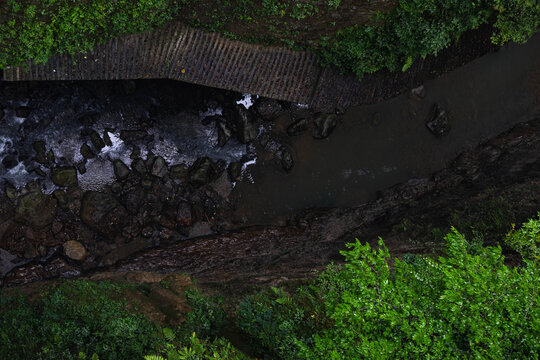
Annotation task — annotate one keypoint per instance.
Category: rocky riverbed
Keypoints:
(95, 172)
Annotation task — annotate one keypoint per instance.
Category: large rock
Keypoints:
(286, 158)
(324, 125)
(36, 209)
(96, 140)
(246, 126)
(298, 127)
(268, 109)
(438, 121)
(224, 131)
(121, 171)
(87, 152)
(103, 213)
(75, 250)
(64, 176)
(139, 166)
(183, 215)
(202, 172)
(159, 167)
(39, 148)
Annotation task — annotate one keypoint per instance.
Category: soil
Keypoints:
(254, 23)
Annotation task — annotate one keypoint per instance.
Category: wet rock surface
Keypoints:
(117, 229)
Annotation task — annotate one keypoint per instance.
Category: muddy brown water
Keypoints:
(380, 145)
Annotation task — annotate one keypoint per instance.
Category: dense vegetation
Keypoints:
(465, 304)
(90, 320)
(390, 38)
(36, 30)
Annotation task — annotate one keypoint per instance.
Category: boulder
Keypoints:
(86, 152)
(235, 171)
(179, 171)
(159, 167)
(139, 166)
(75, 250)
(103, 213)
(287, 160)
(268, 109)
(121, 171)
(130, 136)
(419, 92)
(96, 140)
(106, 138)
(36, 209)
(39, 148)
(438, 121)
(184, 215)
(324, 125)
(64, 176)
(246, 126)
(224, 131)
(297, 127)
(202, 171)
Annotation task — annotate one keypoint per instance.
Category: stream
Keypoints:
(92, 173)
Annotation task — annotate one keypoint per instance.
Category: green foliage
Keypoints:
(74, 320)
(206, 317)
(416, 28)
(38, 31)
(462, 305)
(218, 349)
(526, 240)
(275, 322)
(517, 20)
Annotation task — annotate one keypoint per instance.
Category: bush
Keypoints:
(206, 317)
(218, 349)
(74, 320)
(416, 28)
(526, 241)
(517, 20)
(40, 30)
(459, 306)
(275, 322)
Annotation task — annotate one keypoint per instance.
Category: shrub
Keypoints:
(38, 31)
(206, 317)
(526, 240)
(517, 20)
(459, 306)
(218, 349)
(74, 320)
(416, 28)
(274, 322)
